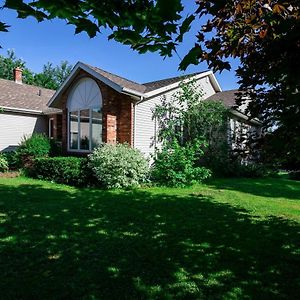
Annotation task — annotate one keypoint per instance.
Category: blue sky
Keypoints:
(54, 41)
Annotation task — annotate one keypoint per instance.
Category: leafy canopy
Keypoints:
(51, 77)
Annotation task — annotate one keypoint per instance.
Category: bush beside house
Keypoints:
(176, 165)
(3, 163)
(66, 170)
(119, 166)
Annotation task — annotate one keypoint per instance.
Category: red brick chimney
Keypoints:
(18, 75)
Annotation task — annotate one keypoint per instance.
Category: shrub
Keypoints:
(234, 168)
(176, 165)
(67, 170)
(11, 159)
(119, 166)
(37, 145)
(294, 175)
(55, 148)
(3, 163)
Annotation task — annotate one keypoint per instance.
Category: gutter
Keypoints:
(132, 93)
(22, 110)
(245, 117)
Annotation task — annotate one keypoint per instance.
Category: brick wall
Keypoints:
(117, 114)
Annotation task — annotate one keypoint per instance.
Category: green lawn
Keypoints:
(229, 239)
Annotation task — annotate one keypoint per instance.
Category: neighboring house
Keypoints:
(94, 106)
(23, 110)
(240, 126)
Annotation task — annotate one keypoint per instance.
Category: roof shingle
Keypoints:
(227, 97)
(154, 85)
(24, 96)
(123, 82)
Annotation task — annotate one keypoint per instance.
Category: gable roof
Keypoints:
(24, 97)
(227, 97)
(126, 86)
(123, 82)
(157, 84)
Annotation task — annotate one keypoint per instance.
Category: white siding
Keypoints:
(14, 126)
(145, 127)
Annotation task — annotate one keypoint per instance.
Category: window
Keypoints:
(85, 116)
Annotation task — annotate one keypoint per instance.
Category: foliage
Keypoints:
(3, 163)
(67, 170)
(130, 22)
(276, 149)
(176, 165)
(186, 117)
(51, 77)
(36, 145)
(234, 168)
(175, 115)
(9, 63)
(55, 148)
(12, 160)
(295, 175)
(119, 166)
(153, 243)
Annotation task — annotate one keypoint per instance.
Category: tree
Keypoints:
(186, 118)
(53, 76)
(9, 63)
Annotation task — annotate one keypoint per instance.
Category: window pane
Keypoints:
(74, 130)
(96, 127)
(85, 129)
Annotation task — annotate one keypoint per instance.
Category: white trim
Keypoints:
(164, 89)
(132, 93)
(79, 131)
(90, 71)
(22, 110)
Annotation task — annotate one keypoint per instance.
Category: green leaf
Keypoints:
(85, 25)
(3, 27)
(185, 27)
(191, 58)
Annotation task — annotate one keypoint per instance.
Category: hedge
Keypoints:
(67, 170)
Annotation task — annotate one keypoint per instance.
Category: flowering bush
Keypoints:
(119, 166)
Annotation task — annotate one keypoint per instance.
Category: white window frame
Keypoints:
(78, 150)
(79, 130)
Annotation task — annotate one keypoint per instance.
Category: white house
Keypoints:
(93, 106)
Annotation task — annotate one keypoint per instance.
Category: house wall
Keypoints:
(14, 126)
(117, 114)
(145, 130)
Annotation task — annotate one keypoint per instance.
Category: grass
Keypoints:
(228, 239)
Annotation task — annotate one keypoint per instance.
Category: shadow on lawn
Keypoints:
(90, 244)
(267, 187)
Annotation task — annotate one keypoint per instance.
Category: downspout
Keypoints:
(134, 120)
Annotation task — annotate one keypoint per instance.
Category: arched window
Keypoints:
(84, 116)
